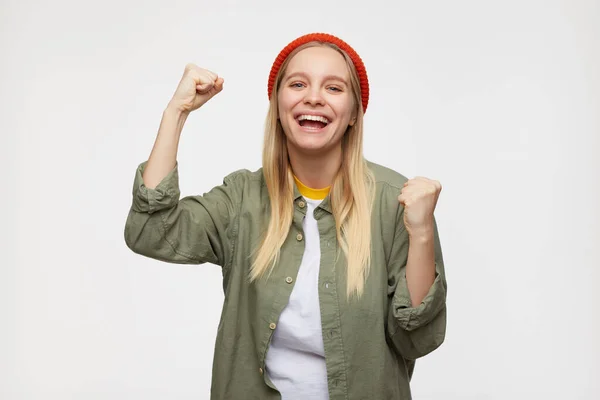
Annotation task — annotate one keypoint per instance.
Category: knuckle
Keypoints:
(209, 74)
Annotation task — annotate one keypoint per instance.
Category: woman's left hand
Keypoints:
(419, 197)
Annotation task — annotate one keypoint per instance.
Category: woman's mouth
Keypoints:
(312, 123)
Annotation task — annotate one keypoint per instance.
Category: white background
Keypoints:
(499, 100)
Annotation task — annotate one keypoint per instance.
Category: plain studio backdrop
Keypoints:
(500, 101)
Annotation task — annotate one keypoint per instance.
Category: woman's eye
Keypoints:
(335, 89)
(297, 85)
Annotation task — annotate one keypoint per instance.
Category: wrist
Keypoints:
(176, 110)
(421, 235)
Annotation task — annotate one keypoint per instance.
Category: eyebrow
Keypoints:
(327, 77)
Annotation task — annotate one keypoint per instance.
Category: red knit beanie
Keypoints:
(323, 37)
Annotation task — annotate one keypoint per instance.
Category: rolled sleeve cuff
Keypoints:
(165, 195)
(410, 318)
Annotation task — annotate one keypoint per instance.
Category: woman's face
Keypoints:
(315, 101)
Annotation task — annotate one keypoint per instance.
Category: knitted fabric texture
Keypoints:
(323, 37)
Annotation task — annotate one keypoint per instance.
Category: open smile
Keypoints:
(312, 123)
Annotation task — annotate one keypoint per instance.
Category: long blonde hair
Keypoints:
(351, 193)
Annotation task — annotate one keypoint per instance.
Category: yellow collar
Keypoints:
(315, 194)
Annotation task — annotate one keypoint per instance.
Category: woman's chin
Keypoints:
(312, 145)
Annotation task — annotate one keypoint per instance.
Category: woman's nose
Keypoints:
(314, 97)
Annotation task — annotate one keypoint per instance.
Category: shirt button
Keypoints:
(301, 204)
(260, 370)
(299, 237)
(272, 326)
(289, 279)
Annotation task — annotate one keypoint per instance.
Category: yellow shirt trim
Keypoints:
(315, 194)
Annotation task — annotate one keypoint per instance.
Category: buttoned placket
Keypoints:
(296, 229)
(329, 303)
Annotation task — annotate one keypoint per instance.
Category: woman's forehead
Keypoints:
(318, 61)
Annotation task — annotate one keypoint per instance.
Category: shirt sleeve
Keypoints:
(191, 230)
(415, 331)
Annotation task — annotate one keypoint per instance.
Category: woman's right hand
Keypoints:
(196, 87)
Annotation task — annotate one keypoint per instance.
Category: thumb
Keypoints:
(210, 88)
(204, 88)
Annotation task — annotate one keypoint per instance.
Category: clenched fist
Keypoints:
(196, 87)
(419, 197)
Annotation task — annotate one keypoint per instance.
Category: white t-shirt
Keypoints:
(296, 358)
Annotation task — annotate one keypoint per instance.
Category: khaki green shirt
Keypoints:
(370, 344)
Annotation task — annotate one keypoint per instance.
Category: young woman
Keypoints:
(333, 272)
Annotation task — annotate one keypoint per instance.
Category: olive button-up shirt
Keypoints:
(371, 343)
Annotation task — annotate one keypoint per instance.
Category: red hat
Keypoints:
(323, 37)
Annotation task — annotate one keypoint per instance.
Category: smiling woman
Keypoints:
(332, 265)
(316, 105)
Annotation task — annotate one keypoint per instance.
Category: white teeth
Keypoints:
(313, 118)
